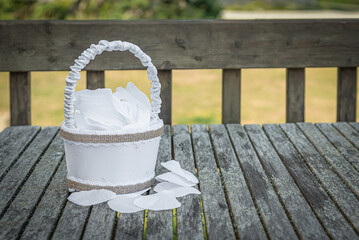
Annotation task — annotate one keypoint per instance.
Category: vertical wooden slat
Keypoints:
(165, 77)
(20, 98)
(347, 92)
(295, 95)
(95, 79)
(231, 96)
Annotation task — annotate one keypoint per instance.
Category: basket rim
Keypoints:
(114, 136)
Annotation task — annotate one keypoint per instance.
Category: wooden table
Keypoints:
(280, 181)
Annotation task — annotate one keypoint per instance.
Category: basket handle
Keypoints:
(88, 55)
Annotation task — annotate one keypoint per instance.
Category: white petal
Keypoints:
(160, 201)
(179, 191)
(125, 203)
(175, 167)
(88, 198)
(174, 178)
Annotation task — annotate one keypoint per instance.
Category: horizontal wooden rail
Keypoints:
(182, 44)
(186, 44)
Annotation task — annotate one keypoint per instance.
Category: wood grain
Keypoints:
(95, 79)
(336, 161)
(350, 153)
(72, 222)
(244, 210)
(189, 215)
(159, 223)
(23, 166)
(13, 142)
(100, 223)
(301, 214)
(348, 132)
(329, 180)
(327, 211)
(346, 94)
(182, 44)
(231, 96)
(295, 95)
(263, 193)
(165, 77)
(216, 211)
(130, 226)
(21, 208)
(20, 98)
(46, 215)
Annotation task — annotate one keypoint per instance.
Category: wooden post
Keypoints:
(20, 98)
(231, 96)
(95, 79)
(347, 94)
(165, 77)
(295, 92)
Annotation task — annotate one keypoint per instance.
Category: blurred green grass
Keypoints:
(196, 95)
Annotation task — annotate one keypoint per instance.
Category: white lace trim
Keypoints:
(109, 184)
(155, 124)
(141, 142)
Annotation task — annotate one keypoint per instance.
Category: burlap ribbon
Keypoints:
(116, 189)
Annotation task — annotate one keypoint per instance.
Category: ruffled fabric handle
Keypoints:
(90, 54)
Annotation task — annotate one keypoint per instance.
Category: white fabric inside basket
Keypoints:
(101, 109)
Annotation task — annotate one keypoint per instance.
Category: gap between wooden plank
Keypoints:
(297, 208)
(320, 201)
(243, 205)
(16, 177)
(189, 215)
(346, 148)
(47, 213)
(13, 143)
(23, 206)
(345, 200)
(348, 132)
(336, 161)
(216, 212)
(159, 223)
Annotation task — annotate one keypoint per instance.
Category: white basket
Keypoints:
(122, 161)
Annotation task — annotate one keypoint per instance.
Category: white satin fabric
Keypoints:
(101, 109)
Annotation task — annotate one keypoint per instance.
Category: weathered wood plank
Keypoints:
(13, 141)
(72, 222)
(337, 162)
(354, 125)
(95, 79)
(195, 44)
(215, 208)
(243, 208)
(159, 223)
(301, 214)
(295, 89)
(20, 98)
(332, 219)
(329, 180)
(231, 96)
(130, 226)
(47, 213)
(350, 153)
(100, 223)
(348, 132)
(189, 215)
(275, 219)
(347, 94)
(21, 208)
(16, 176)
(165, 77)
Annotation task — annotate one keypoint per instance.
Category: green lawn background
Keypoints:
(196, 95)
